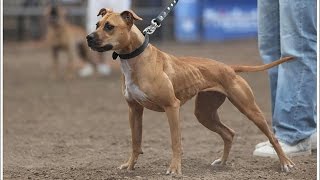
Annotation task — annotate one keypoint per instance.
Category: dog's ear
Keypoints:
(104, 11)
(129, 16)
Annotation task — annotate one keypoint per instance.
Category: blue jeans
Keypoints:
(288, 28)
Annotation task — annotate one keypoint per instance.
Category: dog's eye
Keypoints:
(97, 25)
(108, 27)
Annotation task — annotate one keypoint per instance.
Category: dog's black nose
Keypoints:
(90, 37)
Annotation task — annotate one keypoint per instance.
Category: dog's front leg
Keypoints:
(175, 130)
(135, 119)
(70, 71)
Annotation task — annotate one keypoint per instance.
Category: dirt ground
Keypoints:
(55, 129)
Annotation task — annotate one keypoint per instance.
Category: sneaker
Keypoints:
(313, 138)
(104, 69)
(86, 71)
(263, 144)
(299, 149)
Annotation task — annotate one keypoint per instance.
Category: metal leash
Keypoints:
(156, 23)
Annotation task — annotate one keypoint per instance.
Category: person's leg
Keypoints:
(269, 39)
(296, 91)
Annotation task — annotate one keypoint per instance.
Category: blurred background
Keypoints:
(191, 21)
(57, 128)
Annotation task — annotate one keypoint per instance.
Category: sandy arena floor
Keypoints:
(54, 129)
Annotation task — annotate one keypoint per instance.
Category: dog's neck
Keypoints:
(61, 23)
(136, 39)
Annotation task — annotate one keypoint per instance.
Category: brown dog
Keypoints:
(163, 82)
(63, 36)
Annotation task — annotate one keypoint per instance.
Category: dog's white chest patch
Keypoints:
(132, 91)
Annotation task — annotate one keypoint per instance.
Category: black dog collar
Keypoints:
(135, 52)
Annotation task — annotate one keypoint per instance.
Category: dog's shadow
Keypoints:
(201, 166)
(191, 167)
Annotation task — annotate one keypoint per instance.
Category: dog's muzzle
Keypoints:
(95, 44)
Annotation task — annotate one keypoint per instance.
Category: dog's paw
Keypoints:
(218, 162)
(127, 166)
(175, 168)
(173, 171)
(287, 166)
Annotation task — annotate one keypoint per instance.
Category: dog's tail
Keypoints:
(241, 68)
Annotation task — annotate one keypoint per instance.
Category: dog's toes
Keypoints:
(218, 162)
(287, 167)
(174, 171)
(127, 166)
(124, 166)
(175, 167)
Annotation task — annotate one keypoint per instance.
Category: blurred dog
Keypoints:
(162, 82)
(64, 36)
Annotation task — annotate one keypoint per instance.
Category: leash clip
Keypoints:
(152, 28)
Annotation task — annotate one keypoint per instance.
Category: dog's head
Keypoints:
(112, 30)
(55, 15)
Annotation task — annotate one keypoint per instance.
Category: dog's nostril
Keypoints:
(90, 37)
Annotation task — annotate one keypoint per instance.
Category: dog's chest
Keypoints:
(131, 91)
(59, 37)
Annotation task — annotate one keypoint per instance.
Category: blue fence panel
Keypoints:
(187, 19)
(229, 19)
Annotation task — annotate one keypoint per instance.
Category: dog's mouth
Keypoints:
(96, 46)
(54, 21)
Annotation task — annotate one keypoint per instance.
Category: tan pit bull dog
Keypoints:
(64, 36)
(162, 82)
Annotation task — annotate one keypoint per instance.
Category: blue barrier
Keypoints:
(229, 19)
(187, 20)
(215, 20)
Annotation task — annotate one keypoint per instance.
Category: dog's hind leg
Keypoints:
(55, 62)
(135, 119)
(240, 94)
(206, 105)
